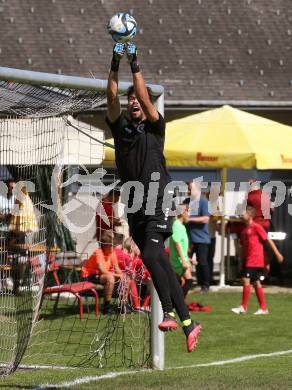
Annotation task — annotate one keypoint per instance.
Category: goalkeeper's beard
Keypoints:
(137, 116)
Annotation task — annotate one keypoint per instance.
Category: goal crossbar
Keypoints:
(57, 80)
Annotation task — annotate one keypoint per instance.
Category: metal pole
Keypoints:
(222, 263)
(157, 337)
(56, 80)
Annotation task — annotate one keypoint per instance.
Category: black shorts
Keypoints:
(141, 223)
(254, 274)
(92, 278)
(201, 251)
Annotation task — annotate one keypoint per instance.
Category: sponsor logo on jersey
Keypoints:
(161, 226)
(140, 128)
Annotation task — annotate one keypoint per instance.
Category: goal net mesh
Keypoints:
(51, 186)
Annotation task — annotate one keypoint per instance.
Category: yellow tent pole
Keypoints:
(222, 262)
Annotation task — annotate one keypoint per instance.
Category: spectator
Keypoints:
(123, 256)
(7, 201)
(102, 267)
(198, 233)
(130, 262)
(252, 240)
(23, 220)
(125, 264)
(105, 213)
(142, 275)
(22, 227)
(212, 227)
(179, 245)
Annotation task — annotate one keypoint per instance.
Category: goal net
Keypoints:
(51, 186)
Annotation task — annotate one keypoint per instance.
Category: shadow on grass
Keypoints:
(49, 313)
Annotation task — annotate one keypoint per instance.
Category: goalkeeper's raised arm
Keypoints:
(140, 89)
(113, 102)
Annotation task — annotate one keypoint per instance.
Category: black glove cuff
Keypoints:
(115, 65)
(135, 67)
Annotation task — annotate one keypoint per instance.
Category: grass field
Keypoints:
(225, 337)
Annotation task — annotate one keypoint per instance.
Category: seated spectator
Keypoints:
(102, 267)
(125, 263)
(129, 260)
(123, 256)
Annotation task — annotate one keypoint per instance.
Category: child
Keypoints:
(102, 267)
(252, 240)
(178, 246)
(132, 265)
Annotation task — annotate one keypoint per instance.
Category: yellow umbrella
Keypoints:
(228, 138)
(225, 138)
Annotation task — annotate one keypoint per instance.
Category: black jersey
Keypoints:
(139, 150)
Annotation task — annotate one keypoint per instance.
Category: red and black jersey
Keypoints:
(252, 239)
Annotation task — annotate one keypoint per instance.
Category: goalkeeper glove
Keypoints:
(118, 52)
(132, 57)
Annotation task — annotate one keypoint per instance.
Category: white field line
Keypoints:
(43, 367)
(112, 375)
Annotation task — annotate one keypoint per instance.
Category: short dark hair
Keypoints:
(251, 211)
(113, 192)
(10, 180)
(131, 91)
(118, 239)
(107, 238)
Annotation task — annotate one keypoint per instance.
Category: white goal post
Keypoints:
(71, 82)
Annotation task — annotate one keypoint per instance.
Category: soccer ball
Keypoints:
(122, 27)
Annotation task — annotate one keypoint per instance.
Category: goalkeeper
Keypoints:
(139, 141)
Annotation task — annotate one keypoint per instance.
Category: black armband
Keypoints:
(135, 66)
(115, 65)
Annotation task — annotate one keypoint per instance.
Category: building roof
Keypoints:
(201, 51)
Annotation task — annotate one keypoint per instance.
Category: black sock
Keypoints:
(106, 304)
(187, 286)
(187, 329)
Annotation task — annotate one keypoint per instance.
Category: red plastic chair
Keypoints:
(74, 288)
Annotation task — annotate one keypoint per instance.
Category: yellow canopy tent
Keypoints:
(226, 138)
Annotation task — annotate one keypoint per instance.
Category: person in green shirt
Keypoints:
(179, 245)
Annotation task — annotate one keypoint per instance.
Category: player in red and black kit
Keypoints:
(261, 202)
(252, 241)
(139, 142)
